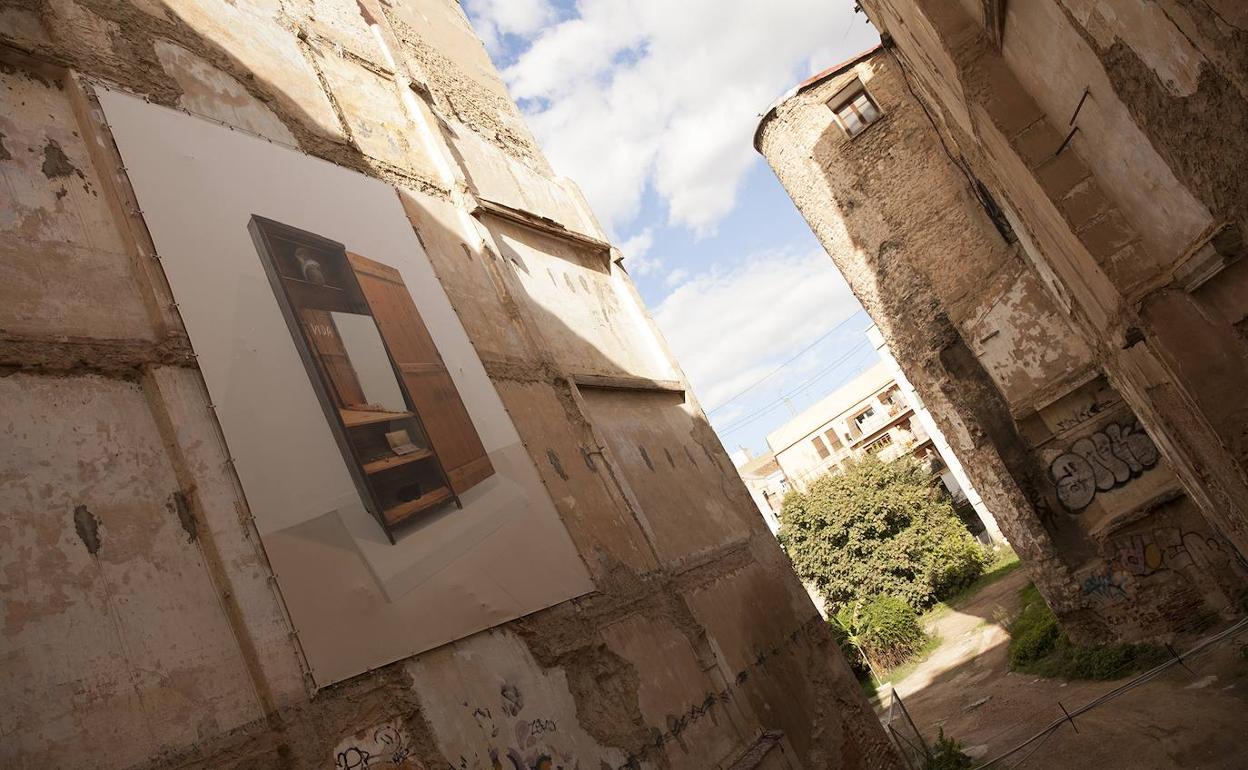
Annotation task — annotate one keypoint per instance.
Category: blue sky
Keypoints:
(650, 107)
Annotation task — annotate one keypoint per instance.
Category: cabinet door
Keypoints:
(449, 428)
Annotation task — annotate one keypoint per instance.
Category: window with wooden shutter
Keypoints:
(821, 449)
(404, 431)
(834, 441)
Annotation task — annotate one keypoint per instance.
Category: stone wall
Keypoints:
(143, 626)
(1019, 272)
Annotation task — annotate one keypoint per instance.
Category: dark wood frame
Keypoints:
(294, 294)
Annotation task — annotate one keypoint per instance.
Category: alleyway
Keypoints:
(1182, 719)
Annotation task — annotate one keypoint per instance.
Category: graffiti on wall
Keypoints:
(1107, 459)
(1100, 401)
(516, 742)
(1143, 555)
(1163, 549)
(1109, 583)
(383, 746)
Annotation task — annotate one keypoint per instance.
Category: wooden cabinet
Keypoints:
(404, 431)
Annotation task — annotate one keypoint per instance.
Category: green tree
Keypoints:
(879, 528)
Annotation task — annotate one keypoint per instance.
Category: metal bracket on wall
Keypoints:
(1079, 107)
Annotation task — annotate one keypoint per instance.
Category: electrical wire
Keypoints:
(790, 360)
(804, 386)
(757, 414)
(1034, 749)
(1117, 692)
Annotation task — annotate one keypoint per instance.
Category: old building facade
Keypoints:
(145, 623)
(1031, 201)
(875, 413)
(867, 415)
(767, 486)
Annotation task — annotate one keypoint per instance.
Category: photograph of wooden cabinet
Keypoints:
(404, 432)
(395, 502)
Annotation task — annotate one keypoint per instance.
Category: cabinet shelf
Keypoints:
(354, 418)
(386, 463)
(403, 511)
(305, 282)
(319, 296)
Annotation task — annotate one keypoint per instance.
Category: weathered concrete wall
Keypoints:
(1114, 292)
(143, 625)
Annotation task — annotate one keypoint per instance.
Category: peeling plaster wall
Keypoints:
(572, 292)
(92, 523)
(56, 223)
(673, 463)
(898, 219)
(1123, 280)
(143, 624)
(1011, 377)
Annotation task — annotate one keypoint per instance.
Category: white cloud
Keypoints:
(634, 92)
(675, 277)
(728, 329)
(636, 251)
(495, 19)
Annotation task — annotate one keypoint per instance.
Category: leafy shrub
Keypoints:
(879, 529)
(884, 629)
(947, 754)
(1034, 633)
(845, 632)
(1039, 646)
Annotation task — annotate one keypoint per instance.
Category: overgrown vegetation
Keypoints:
(881, 544)
(879, 529)
(883, 630)
(1039, 646)
(947, 754)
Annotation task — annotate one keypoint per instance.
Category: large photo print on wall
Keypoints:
(394, 500)
(404, 432)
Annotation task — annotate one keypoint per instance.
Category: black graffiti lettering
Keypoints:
(352, 758)
(1100, 462)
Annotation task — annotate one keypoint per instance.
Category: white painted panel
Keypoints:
(357, 601)
(367, 352)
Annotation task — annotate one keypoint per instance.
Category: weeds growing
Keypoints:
(1039, 646)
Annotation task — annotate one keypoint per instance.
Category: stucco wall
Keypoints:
(143, 625)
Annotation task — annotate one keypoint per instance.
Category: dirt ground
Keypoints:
(1183, 719)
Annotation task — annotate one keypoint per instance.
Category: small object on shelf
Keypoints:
(401, 443)
(309, 267)
(389, 461)
(399, 513)
(408, 492)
